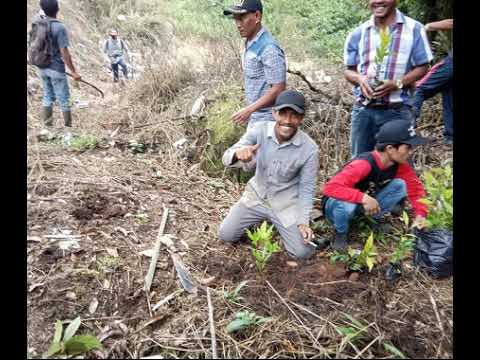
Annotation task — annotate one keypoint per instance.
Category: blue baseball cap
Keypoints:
(399, 132)
(243, 7)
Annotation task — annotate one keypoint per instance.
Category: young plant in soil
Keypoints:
(83, 143)
(70, 344)
(263, 245)
(358, 260)
(244, 319)
(439, 187)
(354, 332)
(234, 295)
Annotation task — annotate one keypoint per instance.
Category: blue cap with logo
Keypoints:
(243, 7)
(399, 132)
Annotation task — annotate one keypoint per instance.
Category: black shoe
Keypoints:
(339, 241)
(320, 242)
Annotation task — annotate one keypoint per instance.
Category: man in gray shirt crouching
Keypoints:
(285, 160)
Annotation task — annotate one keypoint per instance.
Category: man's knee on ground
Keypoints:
(226, 234)
(303, 252)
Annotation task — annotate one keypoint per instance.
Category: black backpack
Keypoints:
(40, 51)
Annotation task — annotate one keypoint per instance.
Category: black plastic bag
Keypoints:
(434, 252)
(393, 272)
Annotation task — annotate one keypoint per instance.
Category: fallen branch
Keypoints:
(212, 325)
(310, 86)
(156, 252)
(167, 299)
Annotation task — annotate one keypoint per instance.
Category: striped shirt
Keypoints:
(263, 63)
(409, 48)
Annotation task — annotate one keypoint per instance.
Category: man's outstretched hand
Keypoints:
(246, 153)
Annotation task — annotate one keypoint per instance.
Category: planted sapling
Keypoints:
(263, 245)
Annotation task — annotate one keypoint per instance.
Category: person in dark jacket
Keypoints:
(375, 182)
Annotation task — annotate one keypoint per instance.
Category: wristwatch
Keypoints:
(399, 84)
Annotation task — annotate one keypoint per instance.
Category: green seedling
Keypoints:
(380, 54)
(244, 319)
(394, 351)
(263, 245)
(70, 344)
(403, 249)
(136, 147)
(83, 143)
(234, 295)
(354, 331)
(356, 260)
(142, 218)
(439, 187)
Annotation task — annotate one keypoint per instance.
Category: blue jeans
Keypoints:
(121, 62)
(367, 121)
(55, 87)
(439, 79)
(340, 213)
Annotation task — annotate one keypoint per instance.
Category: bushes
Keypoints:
(439, 186)
(223, 132)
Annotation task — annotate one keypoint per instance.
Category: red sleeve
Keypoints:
(415, 189)
(341, 186)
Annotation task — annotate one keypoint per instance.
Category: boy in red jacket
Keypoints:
(384, 173)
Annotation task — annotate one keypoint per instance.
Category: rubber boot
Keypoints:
(47, 115)
(67, 118)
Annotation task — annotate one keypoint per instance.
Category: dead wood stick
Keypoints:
(294, 314)
(167, 299)
(367, 347)
(311, 87)
(212, 325)
(440, 325)
(156, 252)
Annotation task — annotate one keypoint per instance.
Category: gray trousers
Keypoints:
(241, 217)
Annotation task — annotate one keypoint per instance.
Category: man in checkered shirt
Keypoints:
(263, 62)
(407, 61)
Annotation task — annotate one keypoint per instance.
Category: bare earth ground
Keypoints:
(114, 200)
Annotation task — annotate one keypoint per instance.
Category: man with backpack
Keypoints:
(49, 52)
(376, 182)
(114, 49)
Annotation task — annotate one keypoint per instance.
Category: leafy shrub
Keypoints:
(439, 187)
(84, 142)
(356, 260)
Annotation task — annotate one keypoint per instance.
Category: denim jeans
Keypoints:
(121, 62)
(367, 121)
(340, 213)
(55, 87)
(438, 80)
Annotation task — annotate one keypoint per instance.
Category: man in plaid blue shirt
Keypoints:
(263, 62)
(407, 61)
